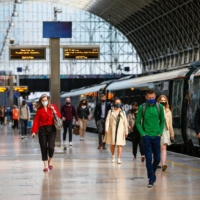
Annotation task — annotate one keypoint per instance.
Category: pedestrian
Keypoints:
(2, 115)
(116, 129)
(83, 115)
(197, 122)
(135, 135)
(24, 115)
(44, 122)
(68, 112)
(151, 115)
(168, 133)
(100, 113)
(15, 114)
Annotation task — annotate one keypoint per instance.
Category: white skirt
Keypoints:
(165, 139)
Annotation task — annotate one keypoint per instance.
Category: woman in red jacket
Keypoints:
(47, 132)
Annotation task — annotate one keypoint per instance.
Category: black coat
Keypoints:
(98, 111)
(197, 121)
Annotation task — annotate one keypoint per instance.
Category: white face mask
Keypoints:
(45, 103)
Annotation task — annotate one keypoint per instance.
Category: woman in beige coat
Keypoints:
(168, 133)
(116, 129)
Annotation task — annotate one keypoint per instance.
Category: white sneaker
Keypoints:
(64, 143)
(113, 158)
(119, 161)
(22, 137)
(70, 144)
(83, 139)
(25, 137)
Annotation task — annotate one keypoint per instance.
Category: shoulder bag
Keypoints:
(58, 123)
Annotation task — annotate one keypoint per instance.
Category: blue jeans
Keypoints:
(151, 146)
(24, 126)
(67, 125)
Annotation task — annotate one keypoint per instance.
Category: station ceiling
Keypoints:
(160, 30)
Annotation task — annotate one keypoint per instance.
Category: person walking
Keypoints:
(116, 129)
(100, 113)
(2, 115)
(135, 135)
(197, 122)
(24, 115)
(44, 122)
(150, 123)
(68, 112)
(168, 133)
(15, 114)
(83, 115)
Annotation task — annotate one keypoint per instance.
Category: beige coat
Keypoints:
(110, 127)
(168, 120)
(131, 120)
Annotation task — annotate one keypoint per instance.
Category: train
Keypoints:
(181, 86)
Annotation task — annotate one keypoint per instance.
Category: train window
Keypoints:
(177, 99)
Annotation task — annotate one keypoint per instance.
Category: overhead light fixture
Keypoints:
(15, 14)
(18, 1)
(12, 24)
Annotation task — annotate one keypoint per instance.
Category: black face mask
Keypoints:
(134, 109)
(163, 103)
(23, 103)
(84, 104)
(68, 103)
(103, 101)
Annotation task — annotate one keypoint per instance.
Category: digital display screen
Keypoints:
(81, 53)
(57, 29)
(27, 53)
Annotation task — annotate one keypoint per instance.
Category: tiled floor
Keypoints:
(84, 172)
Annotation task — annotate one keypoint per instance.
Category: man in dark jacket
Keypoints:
(197, 122)
(100, 113)
(68, 112)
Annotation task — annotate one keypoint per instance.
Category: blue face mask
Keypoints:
(118, 105)
(151, 101)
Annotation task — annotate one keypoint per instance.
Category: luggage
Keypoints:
(76, 130)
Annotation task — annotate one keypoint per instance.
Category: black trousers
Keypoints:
(137, 140)
(15, 123)
(2, 120)
(47, 137)
(101, 131)
(67, 125)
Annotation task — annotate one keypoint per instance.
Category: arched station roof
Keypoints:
(165, 33)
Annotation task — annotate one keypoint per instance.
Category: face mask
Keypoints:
(118, 105)
(23, 103)
(68, 103)
(83, 104)
(45, 103)
(134, 109)
(103, 101)
(163, 103)
(151, 101)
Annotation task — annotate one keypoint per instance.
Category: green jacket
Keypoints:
(153, 124)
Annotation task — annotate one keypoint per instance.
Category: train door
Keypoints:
(194, 104)
(176, 108)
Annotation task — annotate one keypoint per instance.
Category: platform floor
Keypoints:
(85, 173)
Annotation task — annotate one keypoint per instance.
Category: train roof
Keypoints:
(140, 81)
(94, 88)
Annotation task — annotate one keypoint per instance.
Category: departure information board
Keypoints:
(81, 52)
(27, 53)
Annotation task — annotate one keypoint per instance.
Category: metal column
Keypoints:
(55, 78)
(11, 91)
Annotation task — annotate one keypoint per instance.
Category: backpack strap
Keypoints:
(144, 106)
(158, 107)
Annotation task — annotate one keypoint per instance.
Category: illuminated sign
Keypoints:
(20, 88)
(27, 53)
(4, 88)
(81, 52)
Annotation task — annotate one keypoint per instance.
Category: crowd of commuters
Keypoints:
(149, 125)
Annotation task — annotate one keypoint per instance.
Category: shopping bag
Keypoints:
(76, 130)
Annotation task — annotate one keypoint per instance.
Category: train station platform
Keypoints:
(83, 172)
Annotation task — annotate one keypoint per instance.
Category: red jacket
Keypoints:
(43, 118)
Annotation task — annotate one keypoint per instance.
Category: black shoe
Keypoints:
(150, 185)
(159, 167)
(154, 178)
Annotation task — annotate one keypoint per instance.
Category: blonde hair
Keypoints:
(167, 103)
(39, 103)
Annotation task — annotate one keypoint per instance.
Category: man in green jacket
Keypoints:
(150, 123)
